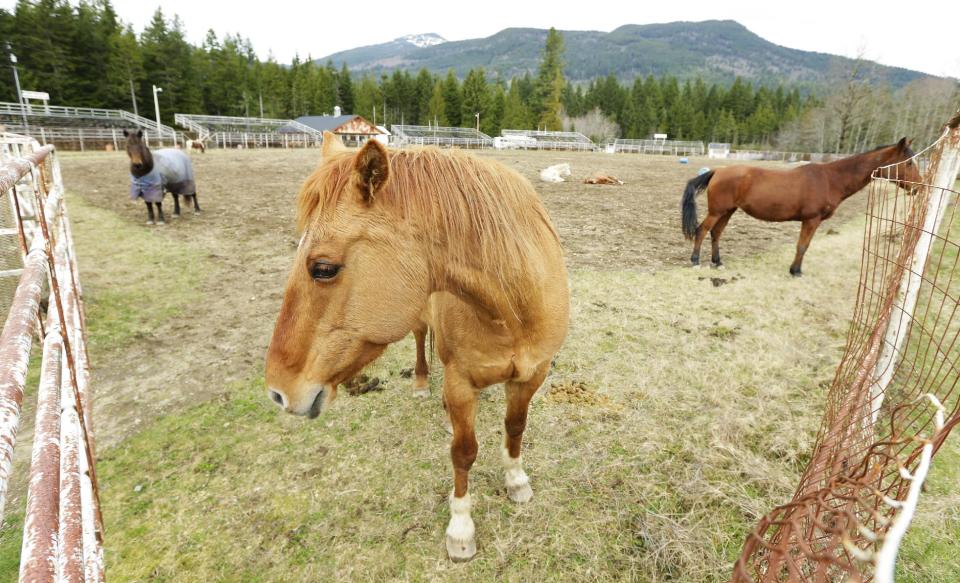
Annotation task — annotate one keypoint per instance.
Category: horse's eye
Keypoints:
(323, 270)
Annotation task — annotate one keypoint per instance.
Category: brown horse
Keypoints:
(396, 241)
(810, 194)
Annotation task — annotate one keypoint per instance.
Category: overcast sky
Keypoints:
(905, 34)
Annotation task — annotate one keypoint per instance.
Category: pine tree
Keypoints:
(345, 90)
(547, 103)
(451, 94)
(437, 108)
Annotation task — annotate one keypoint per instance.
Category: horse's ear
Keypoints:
(331, 144)
(372, 168)
(904, 143)
(139, 133)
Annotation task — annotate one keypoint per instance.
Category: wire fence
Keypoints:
(63, 527)
(894, 398)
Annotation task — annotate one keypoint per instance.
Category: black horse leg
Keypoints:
(176, 206)
(196, 206)
(149, 212)
(160, 220)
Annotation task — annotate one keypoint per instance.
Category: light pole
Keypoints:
(478, 121)
(156, 109)
(16, 81)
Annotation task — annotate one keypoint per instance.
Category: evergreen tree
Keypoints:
(451, 94)
(345, 90)
(547, 103)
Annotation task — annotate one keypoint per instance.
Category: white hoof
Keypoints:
(421, 393)
(521, 493)
(161, 223)
(150, 222)
(461, 550)
(461, 542)
(421, 388)
(516, 480)
(176, 216)
(697, 266)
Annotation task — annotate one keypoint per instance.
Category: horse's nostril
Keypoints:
(277, 397)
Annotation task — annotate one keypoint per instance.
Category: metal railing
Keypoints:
(63, 527)
(84, 114)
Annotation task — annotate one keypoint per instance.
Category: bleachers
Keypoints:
(248, 132)
(545, 140)
(78, 127)
(409, 135)
(660, 147)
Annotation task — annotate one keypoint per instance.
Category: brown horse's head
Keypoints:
(900, 166)
(358, 283)
(141, 161)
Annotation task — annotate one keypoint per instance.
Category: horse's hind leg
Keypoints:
(150, 219)
(518, 403)
(421, 387)
(715, 234)
(176, 206)
(702, 231)
(196, 206)
(160, 220)
(807, 230)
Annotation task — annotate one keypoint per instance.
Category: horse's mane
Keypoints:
(479, 212)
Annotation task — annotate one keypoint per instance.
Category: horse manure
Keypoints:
(571, 392)
(362, 385)
(833, 232)
(717, 281)
(406, 373)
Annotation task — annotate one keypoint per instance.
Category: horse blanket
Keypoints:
(172, 172)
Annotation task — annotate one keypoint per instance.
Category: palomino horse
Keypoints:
(810, 194)
(154, 173)
(393, 241)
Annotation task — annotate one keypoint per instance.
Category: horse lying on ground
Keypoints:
(809, 193)
(154, 173)
(397, 240)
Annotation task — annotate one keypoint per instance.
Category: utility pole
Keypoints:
(156, 108)
(16, 80)
(133, 98)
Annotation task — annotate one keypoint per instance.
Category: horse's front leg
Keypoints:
(461, 403)
(518, 403)
(421, 386)
(150, 219)
(807, 229)
(176, 206)
(160, 220)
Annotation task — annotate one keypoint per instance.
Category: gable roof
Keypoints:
(329, 123)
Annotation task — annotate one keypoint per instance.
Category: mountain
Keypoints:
(717, 50)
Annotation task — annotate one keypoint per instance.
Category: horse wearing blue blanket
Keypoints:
(154, 173)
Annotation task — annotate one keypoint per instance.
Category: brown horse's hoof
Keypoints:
(796, 273)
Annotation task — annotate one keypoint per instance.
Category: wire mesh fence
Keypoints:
(895, 396)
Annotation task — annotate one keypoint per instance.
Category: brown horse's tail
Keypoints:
(689, 204)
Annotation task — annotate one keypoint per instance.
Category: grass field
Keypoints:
(682, 407)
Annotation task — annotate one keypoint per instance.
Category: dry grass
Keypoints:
(681, 408)
(694, 437)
